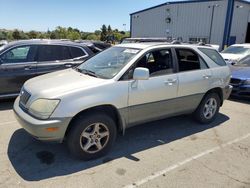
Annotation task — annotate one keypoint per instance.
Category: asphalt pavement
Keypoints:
(174, 152)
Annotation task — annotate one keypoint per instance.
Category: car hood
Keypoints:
(227, 56)
(240, 72)
(56, 84)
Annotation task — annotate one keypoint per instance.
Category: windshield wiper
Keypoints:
(87, 72)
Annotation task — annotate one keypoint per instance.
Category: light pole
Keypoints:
(212, 20)
(124, 25)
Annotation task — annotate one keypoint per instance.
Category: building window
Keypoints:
(198, 39)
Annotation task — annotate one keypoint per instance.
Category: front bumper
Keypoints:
(241, 91)
(38, 128)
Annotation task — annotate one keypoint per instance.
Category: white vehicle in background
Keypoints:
(3, 42)
(215, 46)
(236, 52)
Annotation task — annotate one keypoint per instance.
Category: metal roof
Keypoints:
(182, 2)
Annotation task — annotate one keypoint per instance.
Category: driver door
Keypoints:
(153, 98)
(17, 65)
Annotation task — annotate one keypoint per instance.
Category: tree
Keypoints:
(3, 35)
(33, 34)
(16, 35)
(109, 30)
(52, 35)
(92, 37)
(103, 33)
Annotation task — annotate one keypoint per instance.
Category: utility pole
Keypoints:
(228, 23)
(212, 20)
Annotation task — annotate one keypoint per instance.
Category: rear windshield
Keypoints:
(236, 50)
(213, 55)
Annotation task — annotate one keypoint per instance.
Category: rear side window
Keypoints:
(19, 54)
(53, 53)
(188, 60)
(77, 52)
(213, 55)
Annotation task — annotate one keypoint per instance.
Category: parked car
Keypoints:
(3, 42)
(241, 78)
(235, 53)
(95, 46)
(123, 86)
(22, 60)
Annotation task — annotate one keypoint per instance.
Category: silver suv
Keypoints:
(126, 85)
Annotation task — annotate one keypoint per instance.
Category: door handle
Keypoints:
(27, 68)
(207, 76)
(68, 65)
(170, 81)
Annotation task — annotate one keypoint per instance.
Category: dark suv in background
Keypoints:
(22, 60)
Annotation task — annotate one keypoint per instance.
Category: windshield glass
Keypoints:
(236, 50)
(109, 62)
(245, 62)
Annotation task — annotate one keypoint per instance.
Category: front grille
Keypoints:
(235, 81)
(24, 97)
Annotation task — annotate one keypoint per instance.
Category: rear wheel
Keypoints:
(91, 136)
(208, 108)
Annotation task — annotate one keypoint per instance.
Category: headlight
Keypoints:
(247, 82)
(43, 108)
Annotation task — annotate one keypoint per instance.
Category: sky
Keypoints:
(41, 15)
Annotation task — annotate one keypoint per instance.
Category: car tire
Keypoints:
(208, 108)
(91, 136)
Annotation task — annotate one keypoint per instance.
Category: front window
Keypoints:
(19, 55)
(236, 50)
(108, 63)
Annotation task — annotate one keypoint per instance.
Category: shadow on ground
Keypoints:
(34, 160)
(6, 104)
(240, 99)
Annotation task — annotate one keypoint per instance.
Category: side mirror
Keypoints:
(141, 74)
(1, 60)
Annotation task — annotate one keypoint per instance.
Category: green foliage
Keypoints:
(16, 35)
(104, 34)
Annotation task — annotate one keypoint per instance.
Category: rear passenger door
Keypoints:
(57, 57)
(52, 58)
(194, 78)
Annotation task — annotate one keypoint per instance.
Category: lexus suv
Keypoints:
(22, 60)
(123, 86)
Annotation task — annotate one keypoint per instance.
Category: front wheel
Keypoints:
(208, 108)
(91, 136)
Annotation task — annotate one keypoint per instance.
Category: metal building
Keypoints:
(222, 22)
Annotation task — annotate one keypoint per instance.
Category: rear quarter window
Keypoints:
(213, 55)
(77, 52)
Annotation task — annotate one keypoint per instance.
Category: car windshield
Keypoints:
(108, 63)
(245, 62)
(236, 50)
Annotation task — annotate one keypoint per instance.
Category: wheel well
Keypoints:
(107, 109)
(219, 92)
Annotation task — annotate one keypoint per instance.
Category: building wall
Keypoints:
(188, 20)
(149, 23)
(191, 20)
(240, 21)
